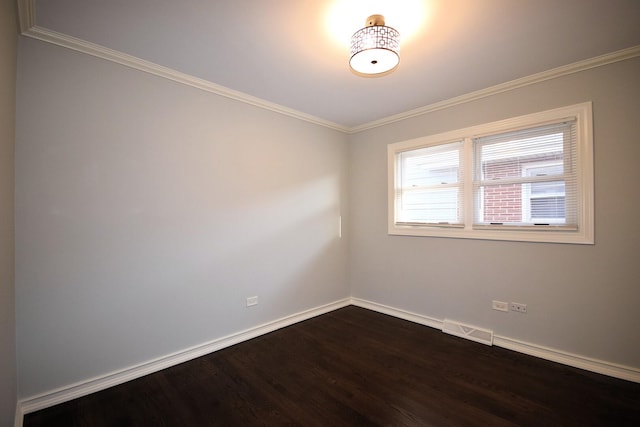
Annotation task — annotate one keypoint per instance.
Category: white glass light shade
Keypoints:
(375, 50)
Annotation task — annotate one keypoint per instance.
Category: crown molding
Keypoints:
(27, 18)
(64, 40)
(554, 73)
(26, 14)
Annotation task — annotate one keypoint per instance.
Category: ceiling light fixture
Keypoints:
(375, 49)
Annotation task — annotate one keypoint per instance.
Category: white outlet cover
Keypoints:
(500, 305)
(518, 307)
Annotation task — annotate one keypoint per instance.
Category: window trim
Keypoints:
(584, 234)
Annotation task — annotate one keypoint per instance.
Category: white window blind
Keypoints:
(429, 189)
(527, 177)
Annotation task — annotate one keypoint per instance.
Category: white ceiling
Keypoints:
(287, 52)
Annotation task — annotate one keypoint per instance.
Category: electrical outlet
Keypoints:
(520, 308)
(500, 305)
(252, 301)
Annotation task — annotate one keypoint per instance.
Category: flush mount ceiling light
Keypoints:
(375, 48)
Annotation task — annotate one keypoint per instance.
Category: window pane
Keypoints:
(430, 206)
(502, 203)
(547, 208)
(545, 202)
(430, 185)
(520, 176)
(430, 166)
(539, 189)
(545, 169)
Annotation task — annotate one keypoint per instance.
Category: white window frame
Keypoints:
(583, 234)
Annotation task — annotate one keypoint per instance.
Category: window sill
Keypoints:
(550, 234)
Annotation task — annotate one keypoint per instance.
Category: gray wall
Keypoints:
(8, 52)
(147, 211)
(581, 299)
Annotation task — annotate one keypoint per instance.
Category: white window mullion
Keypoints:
(468, 193)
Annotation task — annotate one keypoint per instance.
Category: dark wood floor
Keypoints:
(355, 367)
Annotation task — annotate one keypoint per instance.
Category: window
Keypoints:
(522, 177)
(529, 178)
(431, 185)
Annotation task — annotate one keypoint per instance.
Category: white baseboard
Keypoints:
(84, 388)
(396, 312)
(577, 361)
(19, 416)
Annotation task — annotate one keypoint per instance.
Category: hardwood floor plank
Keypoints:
(355, 367)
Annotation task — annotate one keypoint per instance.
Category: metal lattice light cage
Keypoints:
(375, 49)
